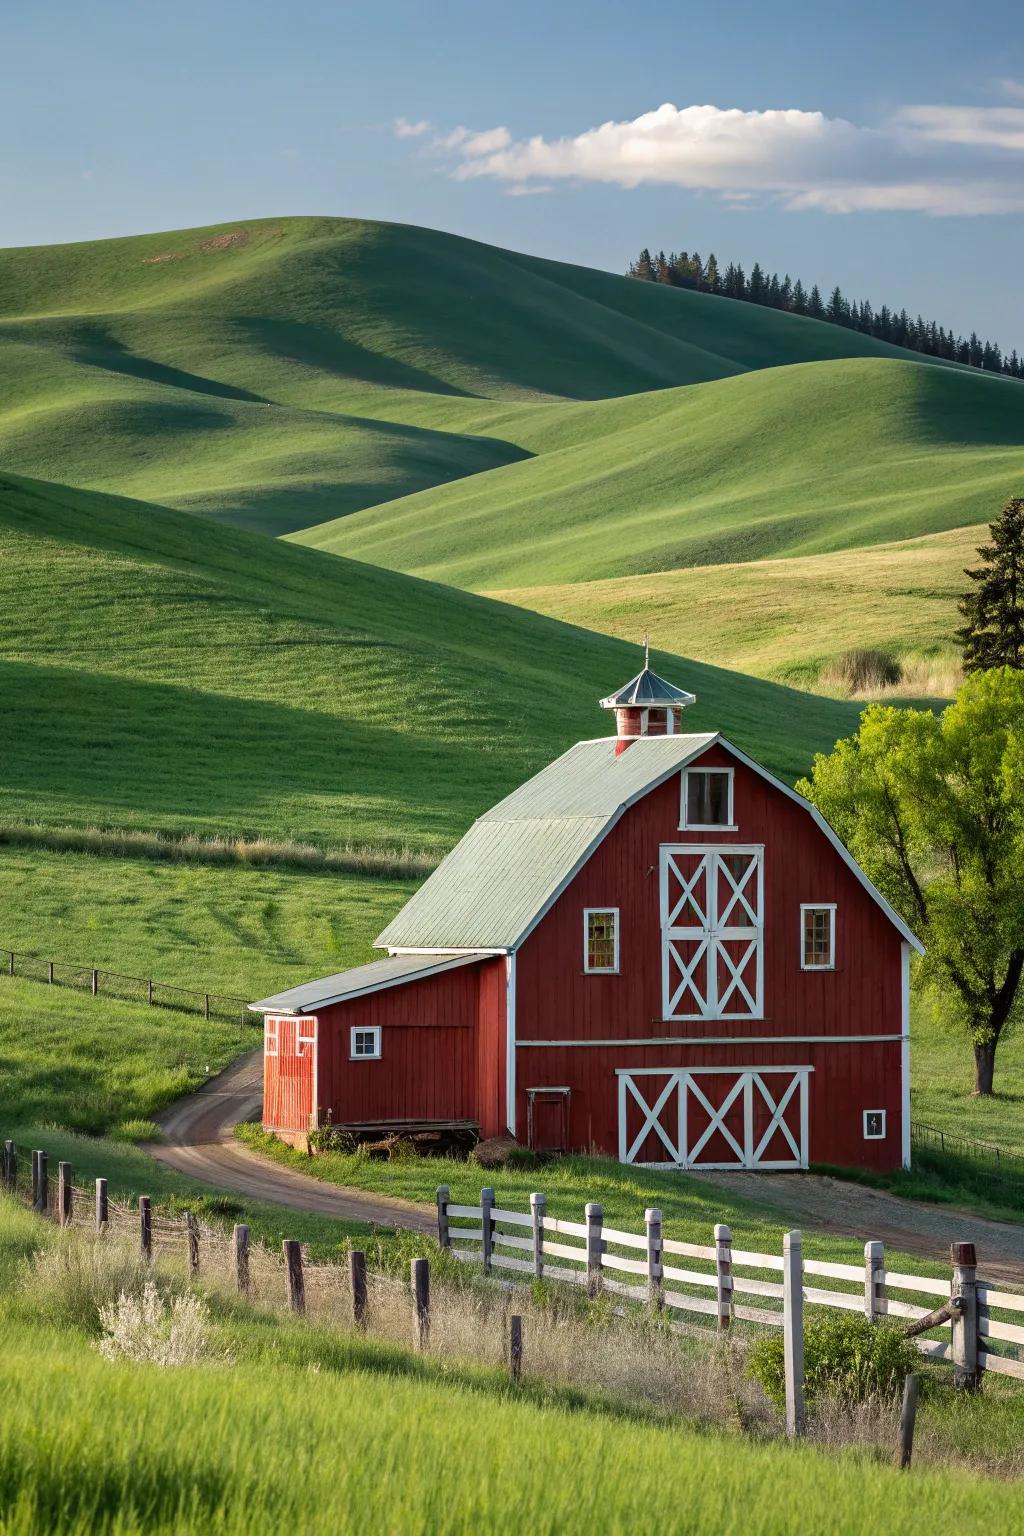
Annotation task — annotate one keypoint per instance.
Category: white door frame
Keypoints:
(682, 1084)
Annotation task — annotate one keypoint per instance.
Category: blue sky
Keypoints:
(892, 161)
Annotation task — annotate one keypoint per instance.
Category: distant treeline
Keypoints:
(685, 270)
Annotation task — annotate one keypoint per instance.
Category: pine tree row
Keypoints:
(686, 270)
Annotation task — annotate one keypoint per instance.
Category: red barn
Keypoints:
(652, 949)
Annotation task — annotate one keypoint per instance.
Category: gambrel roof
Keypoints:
(498, 882)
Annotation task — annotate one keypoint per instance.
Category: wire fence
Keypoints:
(995, 1162)
(127, 989)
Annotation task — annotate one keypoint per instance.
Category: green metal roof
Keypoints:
(500, 879)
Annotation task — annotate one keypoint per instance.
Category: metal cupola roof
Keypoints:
(648, 689)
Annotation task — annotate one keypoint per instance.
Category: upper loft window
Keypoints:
(818, 937)
(707, 798)
(600, 940)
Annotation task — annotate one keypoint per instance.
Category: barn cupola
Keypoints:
(647, 706)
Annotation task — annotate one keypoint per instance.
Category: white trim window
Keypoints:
(874, 1124)
(600, 941)
(707, 800)
(271, 1045)
(818, 936)
(364, 1042)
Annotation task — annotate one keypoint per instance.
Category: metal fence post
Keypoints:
(595, 1247)
(146, 1227)
(723, 1276)
(966, 1375)
(874, 1280)
(793, 1330)
(655, 1274)
(487, 1226)
(444, 1195)
(537, 1205)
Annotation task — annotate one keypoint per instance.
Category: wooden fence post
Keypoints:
(515, 1347)
(146, 1227)
(40, 1183)
(10, 969)
(192, 1243)
(420, 1277)
(149, 992)
(965, 1322)
(102, 1207)
(296, 1284)
(655, 1275)
(908, 1416)
(95, 977)
(595, 1247)
(874, 1280)
(357, 1277)
(537, 1207)
(444, 1194)
(793, 1330)
(206, 1005)
(723, 1276)
(487, 1226)
(240, 1238)
(10, 1165)
(65, 1194)
(49, 972)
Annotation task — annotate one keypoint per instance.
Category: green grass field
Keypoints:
(293, 1425)
(787, 618)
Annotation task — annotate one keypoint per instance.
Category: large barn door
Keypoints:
(714, 1117)
(289, 1072)
(712, 930)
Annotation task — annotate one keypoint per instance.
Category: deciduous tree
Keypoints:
(932, 808)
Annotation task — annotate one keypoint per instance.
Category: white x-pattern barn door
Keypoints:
(713, 1117)
(712, 932)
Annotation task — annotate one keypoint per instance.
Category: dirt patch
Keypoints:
(151, 261)
(232, 240)
(225, 242)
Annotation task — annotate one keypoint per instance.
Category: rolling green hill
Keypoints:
(166, 673)
(786, 461)
(279, 374)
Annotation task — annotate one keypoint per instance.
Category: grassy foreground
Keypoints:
(300, 1428)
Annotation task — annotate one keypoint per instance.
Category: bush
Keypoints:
(845, 1357)
(146, 1329)
(862, 669)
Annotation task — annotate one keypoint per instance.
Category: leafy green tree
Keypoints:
(993, 635)
(932, 808)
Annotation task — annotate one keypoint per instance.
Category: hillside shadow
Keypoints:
(297, 341)
(95, 346)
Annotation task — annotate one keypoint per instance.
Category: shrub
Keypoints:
(845, 1357)
(69, 1282)
(142, 1327)
(864, 668)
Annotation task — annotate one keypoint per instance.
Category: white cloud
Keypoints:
(927, 159)
(406, 130)
(1014, 89)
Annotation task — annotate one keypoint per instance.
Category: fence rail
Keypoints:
(962, 1330)
(129, 989)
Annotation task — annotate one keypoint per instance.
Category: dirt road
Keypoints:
(200, 1143)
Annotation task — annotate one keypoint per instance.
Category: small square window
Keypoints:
(365, 1043)
(270, 1037)
(600, 940)
(707, 797)
(874, 1125)
(817, 938)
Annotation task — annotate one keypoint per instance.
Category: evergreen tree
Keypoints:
(786, 293)
(815, 308)
(837, 311)
(993, 635)
(712, 278)
(755, 289)
(799, 304)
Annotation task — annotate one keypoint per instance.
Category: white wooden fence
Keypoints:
(716, 1279)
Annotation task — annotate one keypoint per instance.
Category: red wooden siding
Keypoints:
(491, 1055)
(556, 1001)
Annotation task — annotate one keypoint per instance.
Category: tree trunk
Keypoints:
(984, 1068)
